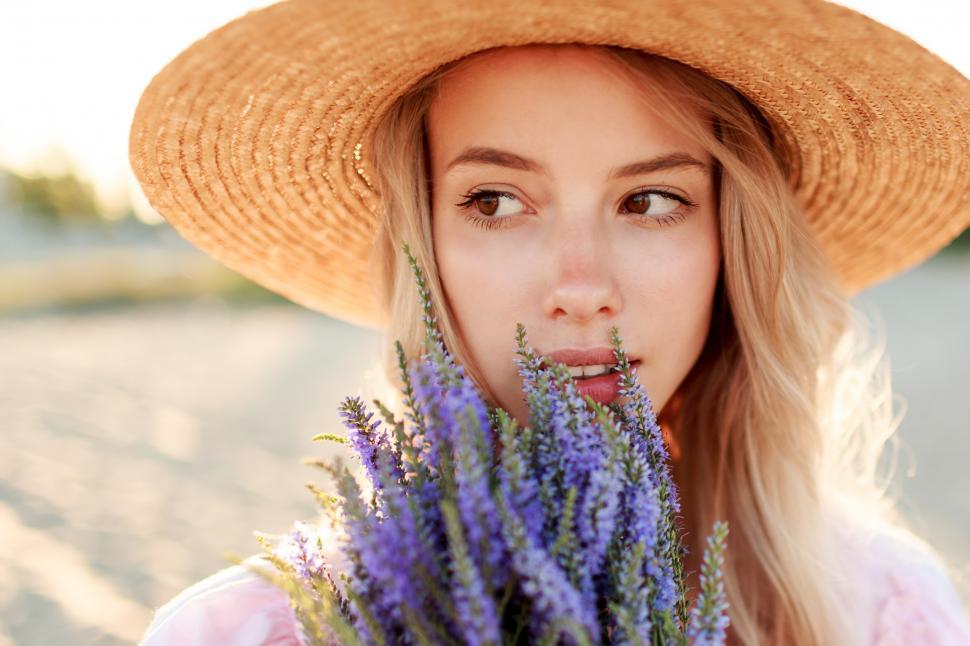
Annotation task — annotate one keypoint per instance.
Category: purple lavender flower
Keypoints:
(555, 599)
(600, 479)
(477, 615)
(663, 564)
(387, 554)
(428, 391)
(302, 548)
(628, 599)
(517, 483)
(474, 460)
(369, 441)
(708, 617)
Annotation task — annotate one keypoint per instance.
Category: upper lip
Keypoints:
(578, 357)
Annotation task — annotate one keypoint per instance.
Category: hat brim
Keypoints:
(254, 143)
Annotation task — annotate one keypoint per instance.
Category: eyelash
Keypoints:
(492, 222)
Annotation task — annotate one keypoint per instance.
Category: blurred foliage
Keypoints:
(962, 242)
(53, 197)
(123, 277)
(108, 259)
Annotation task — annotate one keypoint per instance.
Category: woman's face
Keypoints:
(569, 232)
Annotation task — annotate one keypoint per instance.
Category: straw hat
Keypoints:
(254, 143)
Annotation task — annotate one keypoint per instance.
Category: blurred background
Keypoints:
(154, 407)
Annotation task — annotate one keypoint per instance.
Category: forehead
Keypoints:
(550, 98)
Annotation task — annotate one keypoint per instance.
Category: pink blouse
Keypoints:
(909, 600)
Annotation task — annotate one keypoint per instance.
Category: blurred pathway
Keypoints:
(140, 445)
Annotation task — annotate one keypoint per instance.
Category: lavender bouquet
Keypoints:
(477, 530)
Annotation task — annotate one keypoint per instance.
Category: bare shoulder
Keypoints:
(234, 605)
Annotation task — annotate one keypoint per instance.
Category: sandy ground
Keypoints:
(142, 444)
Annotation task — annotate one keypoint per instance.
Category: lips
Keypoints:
(577, 357)
(602, 388)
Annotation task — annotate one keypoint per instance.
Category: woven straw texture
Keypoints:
(254, 142)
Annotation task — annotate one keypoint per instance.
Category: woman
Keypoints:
(542, 176)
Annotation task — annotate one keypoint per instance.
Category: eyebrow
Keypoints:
(483, 155)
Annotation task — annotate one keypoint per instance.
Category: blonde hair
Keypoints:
(786, 411)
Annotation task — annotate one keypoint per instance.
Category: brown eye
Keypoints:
(637, 203)
(641, 202)
(488, 204)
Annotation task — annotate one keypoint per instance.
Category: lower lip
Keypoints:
(603, 388)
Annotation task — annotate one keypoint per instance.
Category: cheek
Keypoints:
(670, 307)
(473, 274)
(485, 296)
(486, 276)
(689, 297)
(672, 278)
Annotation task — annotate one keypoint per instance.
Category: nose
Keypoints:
(581, 283)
